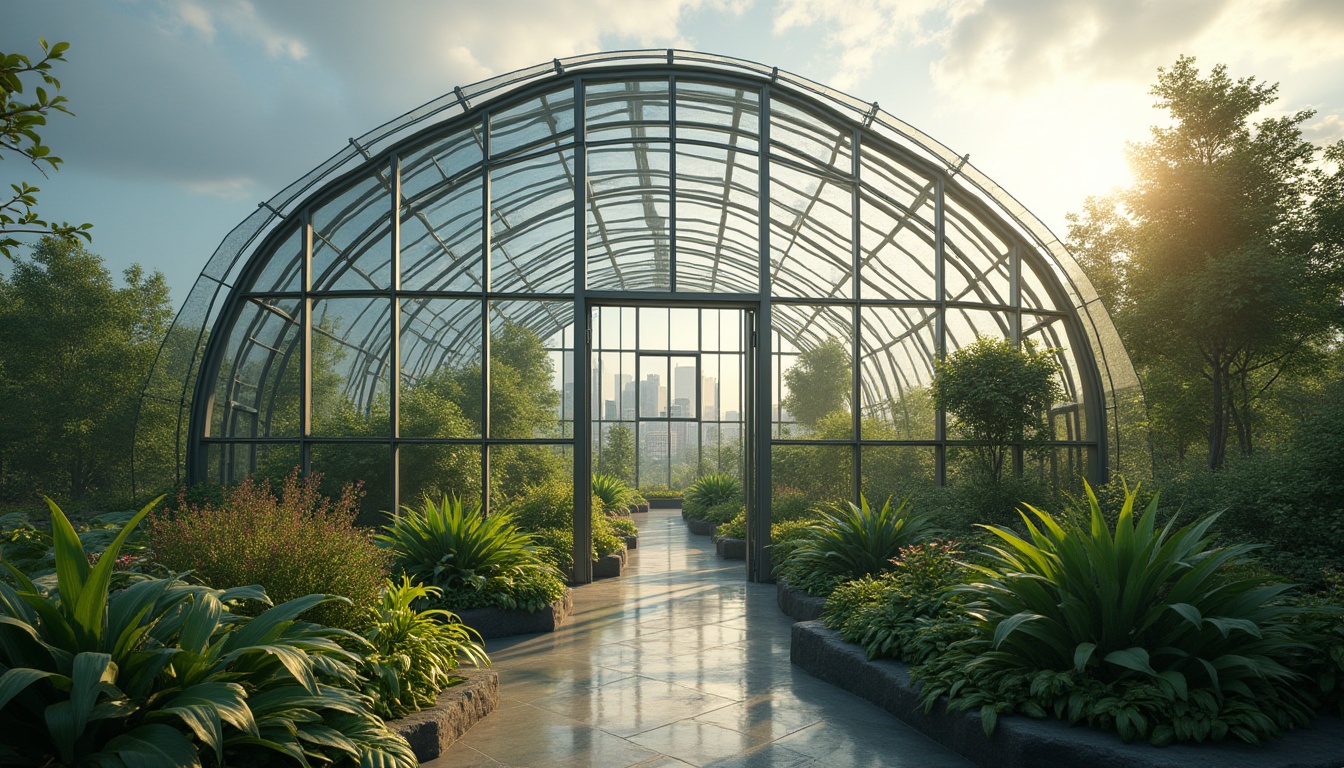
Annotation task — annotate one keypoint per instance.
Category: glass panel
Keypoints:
(683, 395)
(721, 446)
(653, 332)
(534, 121)
(797, 132)
(257, 389)
(441, 239)
(437, 471)
(1068, 415)
(232, 463)
(898, 346)
(898, 258)
(810, 235)
(429, 167)
(813, 388)
(718, 220)
(977, 267)
(629, 210)
(1032, 284)
(630, 109)
(895, 472)
(532, 221)
(718, 113)
(367, 466)
(821, 473)
(615, 452)
(528, 344)
(964, 325)
(654, 451)
(441, 368)
(352, 236)
(283, 269)
(653, 385)
(351, 370)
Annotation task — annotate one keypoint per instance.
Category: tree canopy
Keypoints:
(1218, 262)
(819, 383)
(20, 125)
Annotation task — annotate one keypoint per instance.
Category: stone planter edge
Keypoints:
(431, 731)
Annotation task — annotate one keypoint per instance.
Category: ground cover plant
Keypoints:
(293, 542)
(164, 673)
(413, 653)
(471, 560)
(1156, 634)
(850, 541)
(716, 498)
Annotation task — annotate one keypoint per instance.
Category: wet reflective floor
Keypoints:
(679, 662)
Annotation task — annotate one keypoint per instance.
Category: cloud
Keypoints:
(238, 98)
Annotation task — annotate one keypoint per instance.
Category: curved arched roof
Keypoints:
(692, 175)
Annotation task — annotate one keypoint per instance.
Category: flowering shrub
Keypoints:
(293, 543)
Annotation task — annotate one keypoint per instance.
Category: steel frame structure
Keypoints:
(638, 178)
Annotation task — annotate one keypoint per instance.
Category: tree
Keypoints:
(819, 383)
(1213, 259)
(20, 122)
(997, 395)
(618, 453)
(75, 356)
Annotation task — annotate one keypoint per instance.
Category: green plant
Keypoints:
(623, 526)
(293, 544)
(415, 652)
(1319, 623)
(723, 511)
(555, 546)
(785, 538)
(708, 492)
(163, 673)
(612, 493)
(909, 613)
(852, 541)
(659, 492)
(735, 528)
(1155, 634)
(473, 559)
(789, 504)
(547, 509)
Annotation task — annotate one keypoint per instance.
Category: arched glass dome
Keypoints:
(380, 319)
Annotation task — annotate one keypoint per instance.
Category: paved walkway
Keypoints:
(680, 662)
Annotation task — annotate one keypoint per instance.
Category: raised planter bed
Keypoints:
(701, 527)
(730, 548)
(665, 503)
(631, 542)
(609, 567)
(1023, 742)
(639, 509)
(431, 731)
(797, 604)
(497, 622)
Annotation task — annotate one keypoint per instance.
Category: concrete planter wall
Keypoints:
(665, 503)
(797, 604)
(497, 622)
(631, 542)
(611, 566)
(701, 527)
(730, 548)
(1023, 742)
(431, 731)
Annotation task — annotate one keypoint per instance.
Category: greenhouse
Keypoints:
(659, 265)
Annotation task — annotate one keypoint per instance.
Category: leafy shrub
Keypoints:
(723, 511)
(163, 672)
(788, 505)
(708, 492)
(1143, 631)
(659, 492)
(414, 652)
(852, 541)
(293, 544)
(909, 613)
(735, 528)
(474, 560)
(1320, 625)
(548, 508)
(555, 547)
(29, 548)
(785, 538)
(612, 492)
(623, 526)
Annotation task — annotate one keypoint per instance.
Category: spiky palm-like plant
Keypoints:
(851, 541)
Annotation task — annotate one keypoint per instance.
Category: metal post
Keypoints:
(394, 317)
(757, 347)
(940, 330)
(583, 444)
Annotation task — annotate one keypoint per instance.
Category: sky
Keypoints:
(191, 112)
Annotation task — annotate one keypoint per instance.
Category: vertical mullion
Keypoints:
(487, 222)
(671, 211)
(758, 343)
(940, 332)
(306, 345)
(855, 322)
(583, 475)
(394, 389)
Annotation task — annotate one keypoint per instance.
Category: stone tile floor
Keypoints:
(679, 662)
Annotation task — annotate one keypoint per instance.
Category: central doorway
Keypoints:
(671, 395)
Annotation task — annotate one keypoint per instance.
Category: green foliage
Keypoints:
(612, 493)
(547, 512)
(20, 126)
(723, 511)
(1320, 626)
(997, 395)
(1155, 634)
(623, 526)
(818, 383)
(909, 613)
(617, 457)
(659, 492)
(163, 673)
(851, 541)
(555, 546)
(790, 504)
(474, 560)
(293, 544)
(735, 528)
(711, 491)
(77, 350)
(414, 652)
